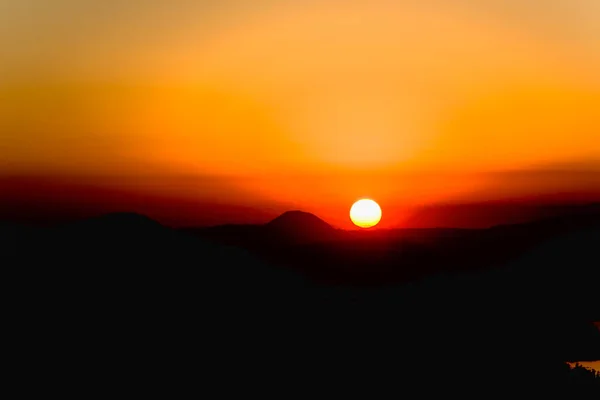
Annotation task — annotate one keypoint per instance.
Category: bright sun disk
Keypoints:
(365, 213)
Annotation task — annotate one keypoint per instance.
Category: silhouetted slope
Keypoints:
(543, 302)
(487, 214)
(130, 254)
(127, 295)
(126, 222)
(396, 256)
(299, 226)
(292, 227)
(246, 236)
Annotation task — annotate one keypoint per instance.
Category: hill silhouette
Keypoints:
(300, 226)
(291, 227)
(487, 214)
(130, 221)
(124, 293)
(392, 256)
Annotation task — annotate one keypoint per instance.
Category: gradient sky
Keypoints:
(303, 104)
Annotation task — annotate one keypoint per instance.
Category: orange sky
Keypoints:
(303, 104)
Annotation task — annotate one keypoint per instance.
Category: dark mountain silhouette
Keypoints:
(299, 226)
(132, 221)
(130, 225)
(292, 227)
(124, 294)
(389, 257)
(487, 214)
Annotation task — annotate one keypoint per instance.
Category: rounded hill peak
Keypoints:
(297, 217)
(300, 225)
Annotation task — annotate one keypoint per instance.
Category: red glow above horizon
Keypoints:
(258, 109)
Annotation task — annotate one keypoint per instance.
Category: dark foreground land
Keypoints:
(294, 307)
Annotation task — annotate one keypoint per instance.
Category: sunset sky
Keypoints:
(244, 109)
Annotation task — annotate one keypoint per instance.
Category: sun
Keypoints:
(365, 213)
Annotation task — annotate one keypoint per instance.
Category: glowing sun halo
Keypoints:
(365, 213)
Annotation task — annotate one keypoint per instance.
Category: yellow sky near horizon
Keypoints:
(277, 88)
